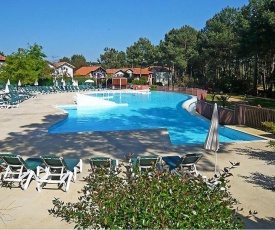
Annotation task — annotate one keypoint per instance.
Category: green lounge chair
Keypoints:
(19, 170)
(2, 165)
(175, 164)
(59, 170)
(190, 162)
(145, 162)
(105, 162)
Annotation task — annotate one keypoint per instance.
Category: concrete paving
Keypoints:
(24, 131)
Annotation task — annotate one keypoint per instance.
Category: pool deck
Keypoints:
(24, 131)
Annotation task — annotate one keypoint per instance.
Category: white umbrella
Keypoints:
(7, 90)
(36, 82)
(89, 80)
(212, 139)
(19, 83)
(8, 83)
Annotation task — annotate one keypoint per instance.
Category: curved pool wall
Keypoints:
(190, 105)
(146, 111)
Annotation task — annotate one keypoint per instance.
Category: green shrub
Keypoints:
(159, 83)
(223, 99)
(269, 126)
(141, 81)
(151, 200)
(153, 87)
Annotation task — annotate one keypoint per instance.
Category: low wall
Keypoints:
(226, 116)
(138, 87)
(199, 93)
(251, 116)
(242, 114)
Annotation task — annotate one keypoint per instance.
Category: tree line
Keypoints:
(233, 53)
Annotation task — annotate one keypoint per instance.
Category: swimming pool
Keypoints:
(145, 111)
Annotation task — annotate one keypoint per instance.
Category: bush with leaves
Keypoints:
(269, 126)
(223, 99)
(153, 87)
(150, 199)
(141, 81)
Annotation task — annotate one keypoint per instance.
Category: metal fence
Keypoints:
(226, 116)
(240, 114)
(200, 93)
(253, 116)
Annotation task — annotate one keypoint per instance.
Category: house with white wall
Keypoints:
(160, 74)
(2, 60)
(63, 69)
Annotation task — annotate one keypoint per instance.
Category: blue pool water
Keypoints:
(145, 111)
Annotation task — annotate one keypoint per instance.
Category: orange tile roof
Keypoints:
(134, 70)
(113, 71)
(143, 71)
(2, 58)
(125, 69)
(83, 71)
(58, 64)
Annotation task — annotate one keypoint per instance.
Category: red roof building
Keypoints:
(2, 58)
(92, 71)
(62, 69)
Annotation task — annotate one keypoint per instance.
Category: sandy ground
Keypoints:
(24, 132)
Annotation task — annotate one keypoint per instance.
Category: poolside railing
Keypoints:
(200, 93)
(226, 116)
(253, 116)
(241, 114)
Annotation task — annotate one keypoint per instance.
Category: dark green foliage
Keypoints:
(223, 99)
(112, 59)
(141, 54)
(159, 83)
(271, 144)
(78, 61)
(141, 81)
(269, 126)
(263, 102)
(27, 65)
(150, 200)
(153, 87)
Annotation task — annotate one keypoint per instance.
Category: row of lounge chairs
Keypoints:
(16, 95)
(50, 89)
(174, 164)
(44, 170)
(62, 89)
(58, 170)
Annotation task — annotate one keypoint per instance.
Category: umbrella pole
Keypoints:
(216, 162)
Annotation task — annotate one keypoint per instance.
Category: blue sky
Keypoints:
(85, 27)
